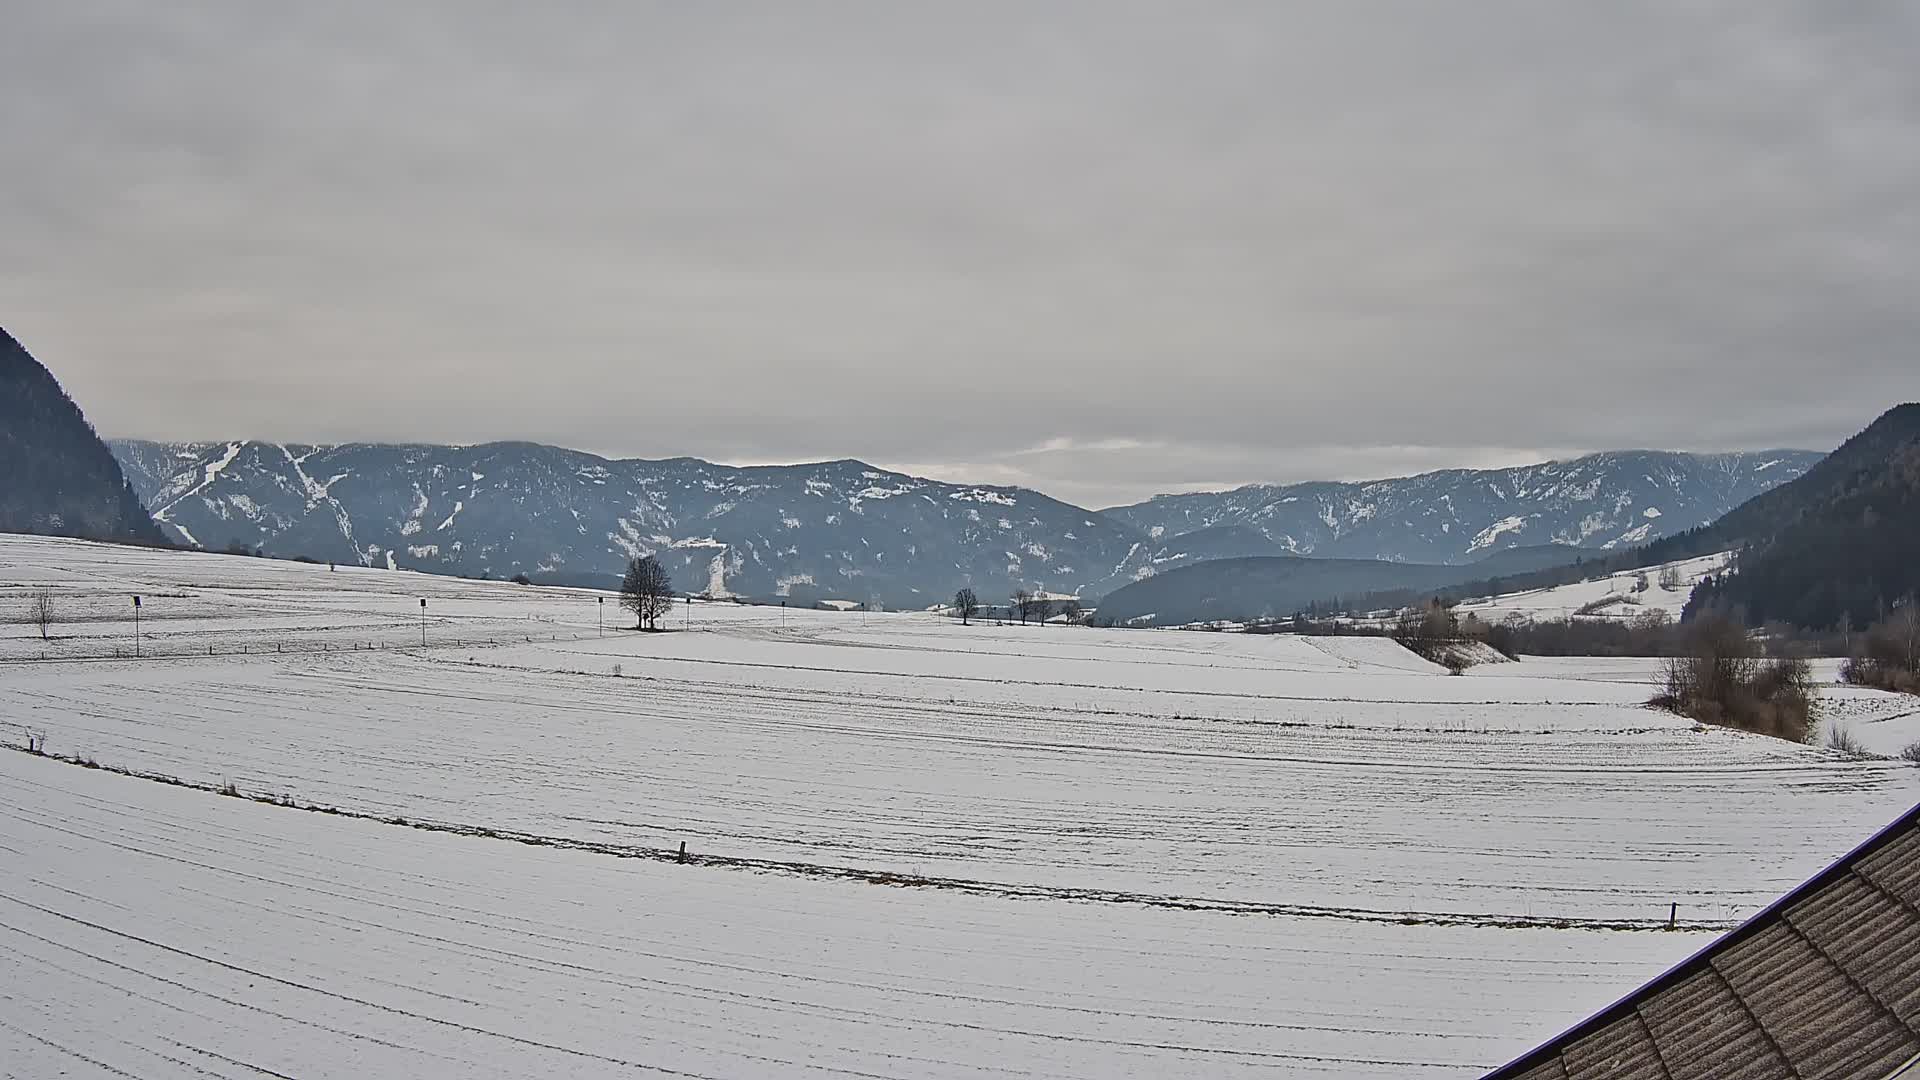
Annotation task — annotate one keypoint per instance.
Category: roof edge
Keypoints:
(1546, 1051)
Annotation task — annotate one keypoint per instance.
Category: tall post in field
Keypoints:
(136, 627)
(603, 616)
(423, 622)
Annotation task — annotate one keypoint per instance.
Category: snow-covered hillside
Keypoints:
(915, 849)
(1616, 596)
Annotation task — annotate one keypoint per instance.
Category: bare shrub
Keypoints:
(1888, 654)
(1611, 600)
(1719, 678)
(1845, 741)
(1911, 753)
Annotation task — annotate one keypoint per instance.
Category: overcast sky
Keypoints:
(1104, 250)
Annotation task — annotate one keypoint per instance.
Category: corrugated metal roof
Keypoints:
(1825, 983)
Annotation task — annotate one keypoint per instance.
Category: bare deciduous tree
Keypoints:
(966, 605)
(40, 612)
(1022, 604)
(647, 591)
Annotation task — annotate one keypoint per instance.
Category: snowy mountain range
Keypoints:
(1609, 500)
(837, 529)
(847, 530)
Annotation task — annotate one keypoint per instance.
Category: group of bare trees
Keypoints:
(1432, 632)
(1039, 607)
(1024, 605)
(1720, 677)
(1887, 655)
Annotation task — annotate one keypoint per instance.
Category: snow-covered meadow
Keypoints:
(917, 849)
(1616, 596)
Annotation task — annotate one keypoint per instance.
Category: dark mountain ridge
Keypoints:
(1274, 587)
(1840, 545)
(57, 477)
(1834, 545)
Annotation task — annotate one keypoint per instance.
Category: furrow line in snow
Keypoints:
(1009, 890)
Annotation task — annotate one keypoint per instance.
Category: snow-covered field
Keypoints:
(917, 849)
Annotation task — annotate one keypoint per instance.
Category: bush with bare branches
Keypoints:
(1846, 742)
(1720, 678)
(1888, 654)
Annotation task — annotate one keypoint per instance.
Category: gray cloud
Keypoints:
(1172, 245)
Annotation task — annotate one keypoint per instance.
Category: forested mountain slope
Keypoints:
(1842, 543)
(56, 477)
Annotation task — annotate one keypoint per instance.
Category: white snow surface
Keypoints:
(1565, 601)
(1134, 852)
(156, 932)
